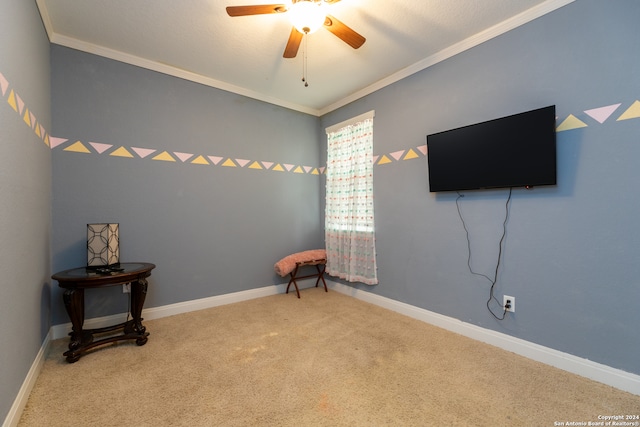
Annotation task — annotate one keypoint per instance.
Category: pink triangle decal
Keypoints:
(183, 156)
(99, 147)
(143, 152)
(4, 84)
(603, 113)
(397, 154)
(215, 159)
(54, 142)
(20, 103)
(242, 162)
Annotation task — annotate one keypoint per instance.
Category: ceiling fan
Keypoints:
(307, 16)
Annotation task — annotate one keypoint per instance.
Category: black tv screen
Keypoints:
(512, 151)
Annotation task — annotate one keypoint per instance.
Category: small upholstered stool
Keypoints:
(290, 265)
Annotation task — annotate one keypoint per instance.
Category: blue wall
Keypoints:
(25, 193)
(571, 251)
(210, 229)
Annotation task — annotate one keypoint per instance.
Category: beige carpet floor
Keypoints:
(323, 360)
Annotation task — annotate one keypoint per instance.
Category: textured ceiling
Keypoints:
(197, 40)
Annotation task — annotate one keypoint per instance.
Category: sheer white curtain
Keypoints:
(349, 224)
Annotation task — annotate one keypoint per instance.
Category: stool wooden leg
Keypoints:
(321, 276)
(293, 280)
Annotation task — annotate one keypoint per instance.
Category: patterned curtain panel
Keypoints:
(349, 226)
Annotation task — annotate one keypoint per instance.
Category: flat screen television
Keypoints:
(512, 151)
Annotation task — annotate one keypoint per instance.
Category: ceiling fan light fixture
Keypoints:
(307, 16)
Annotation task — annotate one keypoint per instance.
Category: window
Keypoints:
(349, 219)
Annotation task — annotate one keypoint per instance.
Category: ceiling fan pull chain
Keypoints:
(304, 61)
(304, 51)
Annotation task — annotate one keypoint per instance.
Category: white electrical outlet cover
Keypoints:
(512, 300)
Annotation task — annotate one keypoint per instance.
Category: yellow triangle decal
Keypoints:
(632, 112)
(77, 147)
(165, 157)
(384, 160)
(229, 163)
(410, 155)
(255, 165)
(121, 152)
(278, 168)
(571, 122)
(26, 118)
(12, 100)
(200, 161)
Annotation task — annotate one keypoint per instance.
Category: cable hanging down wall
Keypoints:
(495, 276)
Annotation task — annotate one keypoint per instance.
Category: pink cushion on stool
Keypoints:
(287, 264)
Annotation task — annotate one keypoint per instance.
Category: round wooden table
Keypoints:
(76, 280)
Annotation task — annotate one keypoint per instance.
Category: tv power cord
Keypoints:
(495, 276)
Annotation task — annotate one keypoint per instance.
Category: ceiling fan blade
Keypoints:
(343, 32)
(293, 44)
(260, 9)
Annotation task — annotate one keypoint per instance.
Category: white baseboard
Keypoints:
(598, 372)
(617, 378)
(13, 417)
(61, 331)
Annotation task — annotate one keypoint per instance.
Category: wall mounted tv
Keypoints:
(512, 151)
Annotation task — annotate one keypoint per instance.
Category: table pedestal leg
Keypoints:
(74, 303)
(138, 295)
